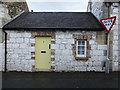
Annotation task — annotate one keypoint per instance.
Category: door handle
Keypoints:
(49, 46)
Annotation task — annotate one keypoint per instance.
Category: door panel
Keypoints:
(42, 52)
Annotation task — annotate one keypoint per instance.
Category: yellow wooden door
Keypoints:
(43, 53)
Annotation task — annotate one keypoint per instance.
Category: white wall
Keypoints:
(19, 52)
(1, 57)
(100, 11)
(64, 59)
(3, 18)
(116, 39)
(97, 9)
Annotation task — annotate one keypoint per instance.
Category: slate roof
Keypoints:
(54, 20)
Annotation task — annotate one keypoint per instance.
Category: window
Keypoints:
(81, 48)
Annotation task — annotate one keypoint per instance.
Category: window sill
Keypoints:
(81, 58)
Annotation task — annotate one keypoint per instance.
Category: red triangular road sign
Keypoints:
(108, 23)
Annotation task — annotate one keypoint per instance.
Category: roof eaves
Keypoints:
(70, 28)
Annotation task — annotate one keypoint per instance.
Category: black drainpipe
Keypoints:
(5, 69)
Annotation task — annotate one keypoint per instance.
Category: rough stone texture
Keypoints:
(4, 17)
(14, 8)
(8, 10)
(21, 51)
(1, 57)
(65, 60)
(101, 11)
(119, 39)
(116, 39)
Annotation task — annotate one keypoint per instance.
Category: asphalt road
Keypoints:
(60, 80)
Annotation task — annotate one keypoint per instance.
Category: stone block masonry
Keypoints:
(2, 57)
(21, 51)
(3, 18)
(64, 53)
(8, 10)
(100, 10)
(116, 40)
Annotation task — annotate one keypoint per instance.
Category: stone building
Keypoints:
(54, 41)
(8, 10)
(103, 9)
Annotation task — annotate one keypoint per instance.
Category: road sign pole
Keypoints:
(108, 51)
(108, 24)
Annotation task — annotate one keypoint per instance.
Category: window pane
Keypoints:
(78, 48)
(81, 47)
(83, 42)
(79, 43)
(78, 52)
(83, 52)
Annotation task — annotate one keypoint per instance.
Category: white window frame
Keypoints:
(84, 49)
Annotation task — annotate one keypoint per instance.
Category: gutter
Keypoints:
(5, 68)
(63, 28)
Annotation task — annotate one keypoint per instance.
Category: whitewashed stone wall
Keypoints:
(97, 8)
(116, 39)
(64, 59)
(4, 16)
(19, 51)
(100, 11)
(119, 38)
(2, 57)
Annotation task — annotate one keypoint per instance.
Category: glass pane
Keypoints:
(78, 48)
(78, 52)
(83, 42)
(83, 52)
(83, 48)
(79, 42)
